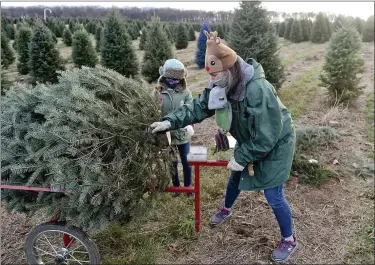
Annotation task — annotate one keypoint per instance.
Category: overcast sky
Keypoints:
(360, 9)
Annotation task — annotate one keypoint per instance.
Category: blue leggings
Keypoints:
(275, 198)
(183, 149)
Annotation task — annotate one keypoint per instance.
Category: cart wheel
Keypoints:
(59, 244)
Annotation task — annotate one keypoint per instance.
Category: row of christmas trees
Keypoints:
(113, 43)
(321, 30)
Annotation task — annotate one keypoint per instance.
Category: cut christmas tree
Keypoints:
(88, 134)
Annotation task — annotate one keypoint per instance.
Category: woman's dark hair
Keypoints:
(237, 76)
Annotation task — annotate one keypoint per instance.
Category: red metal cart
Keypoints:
(196, 189)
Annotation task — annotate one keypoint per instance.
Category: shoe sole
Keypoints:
(213, 225)
(291, 253)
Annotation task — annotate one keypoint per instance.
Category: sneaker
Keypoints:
(220, 217)
(190, 195)
(284, 250)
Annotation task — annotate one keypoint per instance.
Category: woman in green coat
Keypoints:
(246, 104)
(172, 93)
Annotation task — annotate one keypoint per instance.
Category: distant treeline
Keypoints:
(136, 13)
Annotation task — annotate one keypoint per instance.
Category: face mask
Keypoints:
(222, 80)
(172, 83)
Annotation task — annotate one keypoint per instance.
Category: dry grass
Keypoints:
(370, 121)
(299, 93)
(292, 52)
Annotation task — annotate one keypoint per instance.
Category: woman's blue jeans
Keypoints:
(275, 198)
(183, 149)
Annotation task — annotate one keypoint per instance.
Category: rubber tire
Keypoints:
(93, 251)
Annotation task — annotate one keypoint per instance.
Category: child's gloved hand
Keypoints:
(190, 130)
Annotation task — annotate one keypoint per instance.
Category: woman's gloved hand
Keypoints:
(234, 166)
(160, 126)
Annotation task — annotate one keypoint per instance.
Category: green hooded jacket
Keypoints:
(171, 100)
(262, 126)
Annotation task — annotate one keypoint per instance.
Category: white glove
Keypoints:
(190, 130)
(234, 166)
(160, 126)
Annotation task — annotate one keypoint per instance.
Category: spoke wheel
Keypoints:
(59, 244)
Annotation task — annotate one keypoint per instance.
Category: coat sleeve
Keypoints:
(265, 124)
(188, 114)
(189, 98)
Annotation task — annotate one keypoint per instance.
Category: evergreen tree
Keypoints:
(306, 29)
(200, 55)
(261, 42)
(60, 28)
(227, 29)
(182, 38)
(320, 32)
(173, 27)
(157, 51)
(116, 48)
(83, 52)
(67, 37)
(139, 24)
(44, 58)
(339, 22)
(7, 54)
(343, 64)
(296, 35)
(23, 39)
(282, 28)
(359, 24)
(57, 27)
(191, 33)
(10, 31)
(98, 34)
(5, 84)
(72, 23)
(18, 26)
(142, 41)
(220, 31)
(288, 28)
(277, 26)
(368, 32)
(131, 31)
(86, 134)
(167, 29)
(329, 27)
(77, 26)
(197, 26)
(54, 37)
(91, 27)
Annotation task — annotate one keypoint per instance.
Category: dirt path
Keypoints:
(325, 218)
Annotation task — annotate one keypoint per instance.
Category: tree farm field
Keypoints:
(333, 221)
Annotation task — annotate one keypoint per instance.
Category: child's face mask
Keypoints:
(171, 83)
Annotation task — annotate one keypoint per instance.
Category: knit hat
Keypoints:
(219, 56)
(174, 69)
